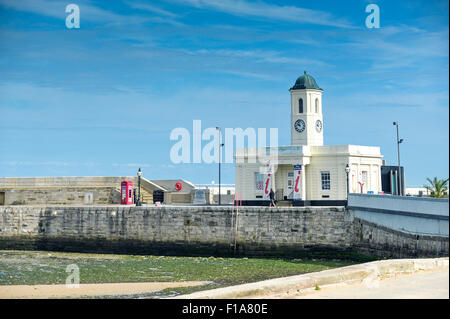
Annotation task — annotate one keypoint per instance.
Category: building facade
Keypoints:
(307, 172)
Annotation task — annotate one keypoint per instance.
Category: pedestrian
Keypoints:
(272, 198)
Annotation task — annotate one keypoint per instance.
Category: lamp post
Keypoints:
(139, 174)
(399, 140)
(220, 156)
(347, 170)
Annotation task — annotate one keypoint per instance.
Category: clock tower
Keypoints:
(306, 112)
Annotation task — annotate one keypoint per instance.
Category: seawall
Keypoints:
(206, 230)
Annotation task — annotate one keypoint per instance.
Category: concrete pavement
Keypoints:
(369, 275)
(421, 285)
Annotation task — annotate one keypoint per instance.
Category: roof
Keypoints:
(305, 81)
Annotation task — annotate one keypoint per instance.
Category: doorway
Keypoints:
(289, 185)
(2, 198)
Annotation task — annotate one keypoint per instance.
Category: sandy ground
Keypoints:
(62, 291)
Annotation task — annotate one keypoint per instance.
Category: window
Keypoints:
(89, 198)
(290, 180)
(259, 181)
(317, 105)
(325, 178)
(364, 177)
(353, 183)
(363, 182)
(300, 106)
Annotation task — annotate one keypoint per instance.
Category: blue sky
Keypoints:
(102, 100)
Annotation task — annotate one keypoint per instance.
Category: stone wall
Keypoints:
(95, 190)
(175, 230)
(62, 196)
(85, 190)
(64, 181)
(374, 239)
(206, 230)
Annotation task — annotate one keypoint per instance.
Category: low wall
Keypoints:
(205, 230)
(415, 215)
(62, 190)
(175, 230)
(373, 239)
(62, 196)
(84, 190)
(74, 181)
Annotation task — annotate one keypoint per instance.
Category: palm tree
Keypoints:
(438, 188)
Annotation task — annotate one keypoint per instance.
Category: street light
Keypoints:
(139, 174)
(347, 170)
(220, 156)
(399, 140)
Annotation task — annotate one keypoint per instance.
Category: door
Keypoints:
(290, 185)
(2, 198)
(88, 198)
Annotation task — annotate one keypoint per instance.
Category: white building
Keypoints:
(417, 191)
(307, 172)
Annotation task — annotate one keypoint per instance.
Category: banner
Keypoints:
(297, 182)
(267, 186)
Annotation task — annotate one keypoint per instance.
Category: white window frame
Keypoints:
(322, 173)
(256, 174)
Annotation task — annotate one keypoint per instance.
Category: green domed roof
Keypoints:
(305, 81)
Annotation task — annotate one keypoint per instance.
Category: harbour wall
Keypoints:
(207, 230)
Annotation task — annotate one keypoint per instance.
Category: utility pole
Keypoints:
(399, 141)
(347, 171)
(139, 174)
(220, 158)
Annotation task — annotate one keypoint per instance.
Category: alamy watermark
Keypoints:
(220, 143)
(73, 279)
(73, 19)
(372, 281)
(373, 19)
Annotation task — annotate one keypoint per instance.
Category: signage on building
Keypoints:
(297, 182)
(267, 186)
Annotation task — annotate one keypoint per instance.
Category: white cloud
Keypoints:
(151, 8)
(268, 11)
(56, 9)
(48, 163)
(130, 165)
(398, 47)
(258, 56)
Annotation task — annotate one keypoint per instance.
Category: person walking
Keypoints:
(272, 198)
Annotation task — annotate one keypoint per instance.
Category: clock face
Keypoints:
(299, 126)
(318, 125)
